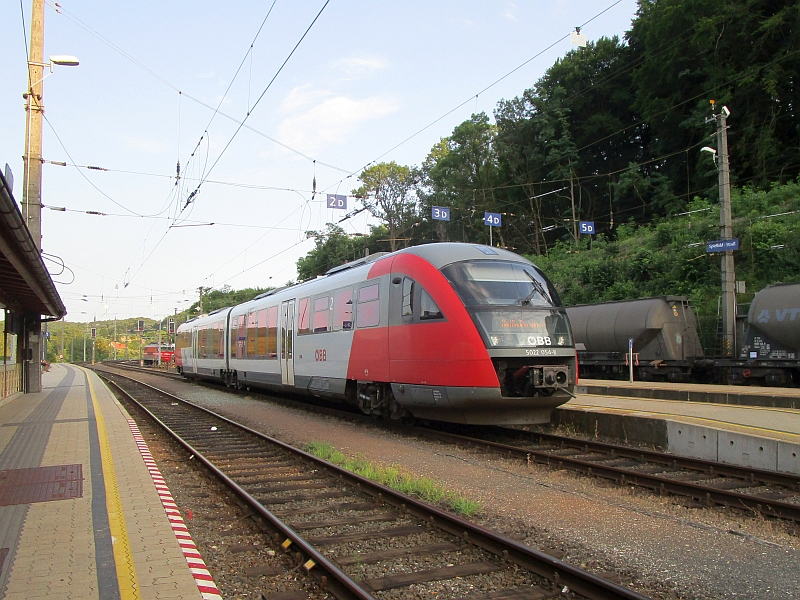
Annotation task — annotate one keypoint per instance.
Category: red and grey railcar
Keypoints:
(452, 332)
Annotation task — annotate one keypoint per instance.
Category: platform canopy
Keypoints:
(26, 287)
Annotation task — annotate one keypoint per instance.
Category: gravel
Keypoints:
(653, 544)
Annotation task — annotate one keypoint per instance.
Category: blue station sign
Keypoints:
(337, 201)
(440, 213)
(587, 227)
(722, 245)
(493, 219)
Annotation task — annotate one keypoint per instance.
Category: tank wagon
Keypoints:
(452, 332)
(663, 331)
(771, 348)
(666, 344)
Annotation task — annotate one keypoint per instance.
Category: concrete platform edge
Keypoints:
(761, 399)
(683, 439)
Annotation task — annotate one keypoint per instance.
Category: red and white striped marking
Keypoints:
(205, 583)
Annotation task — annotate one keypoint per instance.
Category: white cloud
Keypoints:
(358, 66)
(316, 118)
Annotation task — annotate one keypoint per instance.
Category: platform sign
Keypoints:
(722, 245)
(337, 201)
(493, 219)
(440, 213)
(586, 227)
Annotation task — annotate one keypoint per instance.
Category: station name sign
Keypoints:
(722, 245)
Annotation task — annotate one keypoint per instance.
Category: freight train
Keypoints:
(452, 332)
(666, 345)
(151, 356)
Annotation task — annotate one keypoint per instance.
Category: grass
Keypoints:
(397, 479)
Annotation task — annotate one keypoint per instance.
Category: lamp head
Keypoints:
(64, 60)
(708, 149)
(725, 112)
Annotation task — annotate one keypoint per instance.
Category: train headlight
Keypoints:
(495, 339)
(562, 340)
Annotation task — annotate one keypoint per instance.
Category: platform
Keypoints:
(760, 436)
(695, 392)
(84, 512)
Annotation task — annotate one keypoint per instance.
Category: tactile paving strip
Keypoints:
(202, 577)
(41, 484)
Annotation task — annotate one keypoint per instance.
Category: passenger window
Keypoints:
(322, 311)
(343, 309)
(303, 320)
(272, 333)
(369, 312)
(408, 296)
(220, 339)
(252, 332)
(428, 308)
(241, 337)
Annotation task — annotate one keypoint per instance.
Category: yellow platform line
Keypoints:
(691, 419)
(126, 570)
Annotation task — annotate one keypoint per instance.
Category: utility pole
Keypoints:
(726, 232)
(115, 338)
(572, 198)
(202, 289)
(32, 186)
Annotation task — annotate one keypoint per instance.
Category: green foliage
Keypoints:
(334, 247)
(668, 257)
(395, 478)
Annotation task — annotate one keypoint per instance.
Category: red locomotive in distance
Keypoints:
(150, 354)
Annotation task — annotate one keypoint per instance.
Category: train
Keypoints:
(666, 345)
(150, 354)
(453, 332)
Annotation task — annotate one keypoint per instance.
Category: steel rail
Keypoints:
(579, 581)
(709, 494)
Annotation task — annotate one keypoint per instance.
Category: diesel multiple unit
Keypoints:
(453, 332)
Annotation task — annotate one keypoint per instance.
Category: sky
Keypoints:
(322, 90)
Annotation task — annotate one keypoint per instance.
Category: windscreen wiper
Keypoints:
(537, 288)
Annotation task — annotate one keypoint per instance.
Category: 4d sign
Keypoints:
(493, 219)
(337, 201)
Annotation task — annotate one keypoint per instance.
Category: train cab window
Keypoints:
(343, 309)
(303, 317)
(408, 296)
(272, 333)
(252, 333)
(322, 313)
(428, 308)
(368, 313)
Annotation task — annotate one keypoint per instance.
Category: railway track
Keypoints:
(356, 538)
(704, 483)
(765, 493)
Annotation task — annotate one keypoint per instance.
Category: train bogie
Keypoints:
(452, 332)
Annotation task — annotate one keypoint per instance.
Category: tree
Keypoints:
(388, 193)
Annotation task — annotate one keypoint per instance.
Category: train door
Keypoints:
(287, 342)
(195, 349)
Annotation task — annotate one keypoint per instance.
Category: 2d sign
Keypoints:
(337, 201)
(440, 213)
(722, 245)
(493, 219)
(586, 227)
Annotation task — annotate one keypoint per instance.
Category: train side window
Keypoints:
(220, 339)
(343, 309)
(272, 333)
(428, 308)
(241, 336)
(408, 296)
(261, 339)
(252, 333)
(213, 350)
(203, 340)
(303, 321)
(322, 313)
(369, 310)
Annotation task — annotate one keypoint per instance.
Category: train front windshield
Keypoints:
(513, 303)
